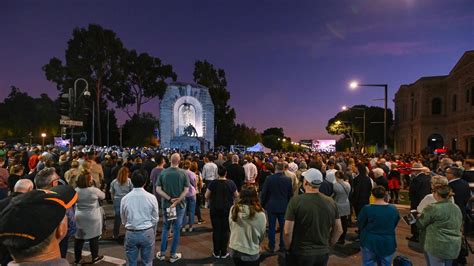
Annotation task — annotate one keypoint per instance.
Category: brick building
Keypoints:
(437, 111)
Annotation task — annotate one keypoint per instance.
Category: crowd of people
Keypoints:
(309, 198)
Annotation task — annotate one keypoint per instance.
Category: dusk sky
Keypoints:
(288, 63)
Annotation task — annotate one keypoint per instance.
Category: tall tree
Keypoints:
(245, 135)
(25, 115)
(205, 74)
(138, 131)
(96, 54)
(147, 78)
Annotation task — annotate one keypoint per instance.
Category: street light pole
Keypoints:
(72, 102)
(354, 85)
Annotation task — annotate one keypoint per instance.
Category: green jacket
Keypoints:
(441, 223)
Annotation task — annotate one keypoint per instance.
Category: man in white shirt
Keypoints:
(209, 171)
(139, 212)
(250, 171)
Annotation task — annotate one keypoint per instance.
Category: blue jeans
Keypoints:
(140, 241)
(272, 217)
(176, 230)
(432, 260)
(369, 258)
(117, 219)
(190, 210)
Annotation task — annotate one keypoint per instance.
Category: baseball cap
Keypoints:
(32, 217)
(313, 176)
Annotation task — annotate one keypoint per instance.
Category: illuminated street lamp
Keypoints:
(344, 108)
(283, 140)
(43, 136)
(354, 85)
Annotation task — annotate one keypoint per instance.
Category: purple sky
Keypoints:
(288, 63)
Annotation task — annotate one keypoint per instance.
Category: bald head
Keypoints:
(23, 186)
(235, 159)
(175, 158)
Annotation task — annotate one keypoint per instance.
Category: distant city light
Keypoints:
(353, 84)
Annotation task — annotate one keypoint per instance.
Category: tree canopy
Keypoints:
(350, 125)
(95, 54)
(138, 131)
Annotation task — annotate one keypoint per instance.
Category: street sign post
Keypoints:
(71, 123)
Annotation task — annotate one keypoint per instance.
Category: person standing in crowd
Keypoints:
(342, 190)
(462, 194)
(312, 224)
(441, 222)
(420, 186)
(221, 194)
(394, 183)
(236, 172)
(47, 179)
(29, 241)
(247, 223)
(250, 170)
(89, 218)
(188, 219)
(379, 178)
(22, 186)
(33, 160)
(17, 174)
(377, 223)
(436, 181)
(107, 165)
(362, 189)
(209, 171)
(172, 185)
(199, 193)
(4, 188)
(276, 193)
(71, 175)
(155, 173)
(119, 187)
(220, 160)
(95, 170)
(468, 174)
(139, 212)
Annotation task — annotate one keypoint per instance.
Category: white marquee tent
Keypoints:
(259, 148)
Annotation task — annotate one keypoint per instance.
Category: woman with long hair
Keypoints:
(88, 216)
(195, 169)
(119, 187)
(247, 222)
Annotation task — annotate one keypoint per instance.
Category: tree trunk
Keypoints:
(97, 102)
(139, 105)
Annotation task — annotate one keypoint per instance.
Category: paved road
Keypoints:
(196, 247)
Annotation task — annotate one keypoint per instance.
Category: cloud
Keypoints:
(395, 48)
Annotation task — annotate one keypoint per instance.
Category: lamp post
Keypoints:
(43, 136)
(355, 84)
(73, 101)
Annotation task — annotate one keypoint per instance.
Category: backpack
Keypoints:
(401, 261)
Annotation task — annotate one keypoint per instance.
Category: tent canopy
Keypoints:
(259, 148)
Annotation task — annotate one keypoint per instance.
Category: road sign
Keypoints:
(73, 123)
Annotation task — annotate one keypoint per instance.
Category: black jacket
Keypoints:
(462, 194)
(362, 190)
(420, 186)
(276, 193)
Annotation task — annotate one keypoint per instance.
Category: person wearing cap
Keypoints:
(34, 223)
(312, 224)
(139, 213)
(420, 186)
(276, 193)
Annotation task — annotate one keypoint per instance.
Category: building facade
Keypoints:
(436, 112)
(187, 118)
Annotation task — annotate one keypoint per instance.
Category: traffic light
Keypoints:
(64, 104)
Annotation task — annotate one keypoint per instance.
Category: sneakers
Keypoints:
(190, 229)
(201, 221)
(175, 257)
(225, 256)
(216, 256)
(160, 256)
(183, 230)
(97, 259)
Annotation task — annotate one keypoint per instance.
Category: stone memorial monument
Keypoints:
(187, 118)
